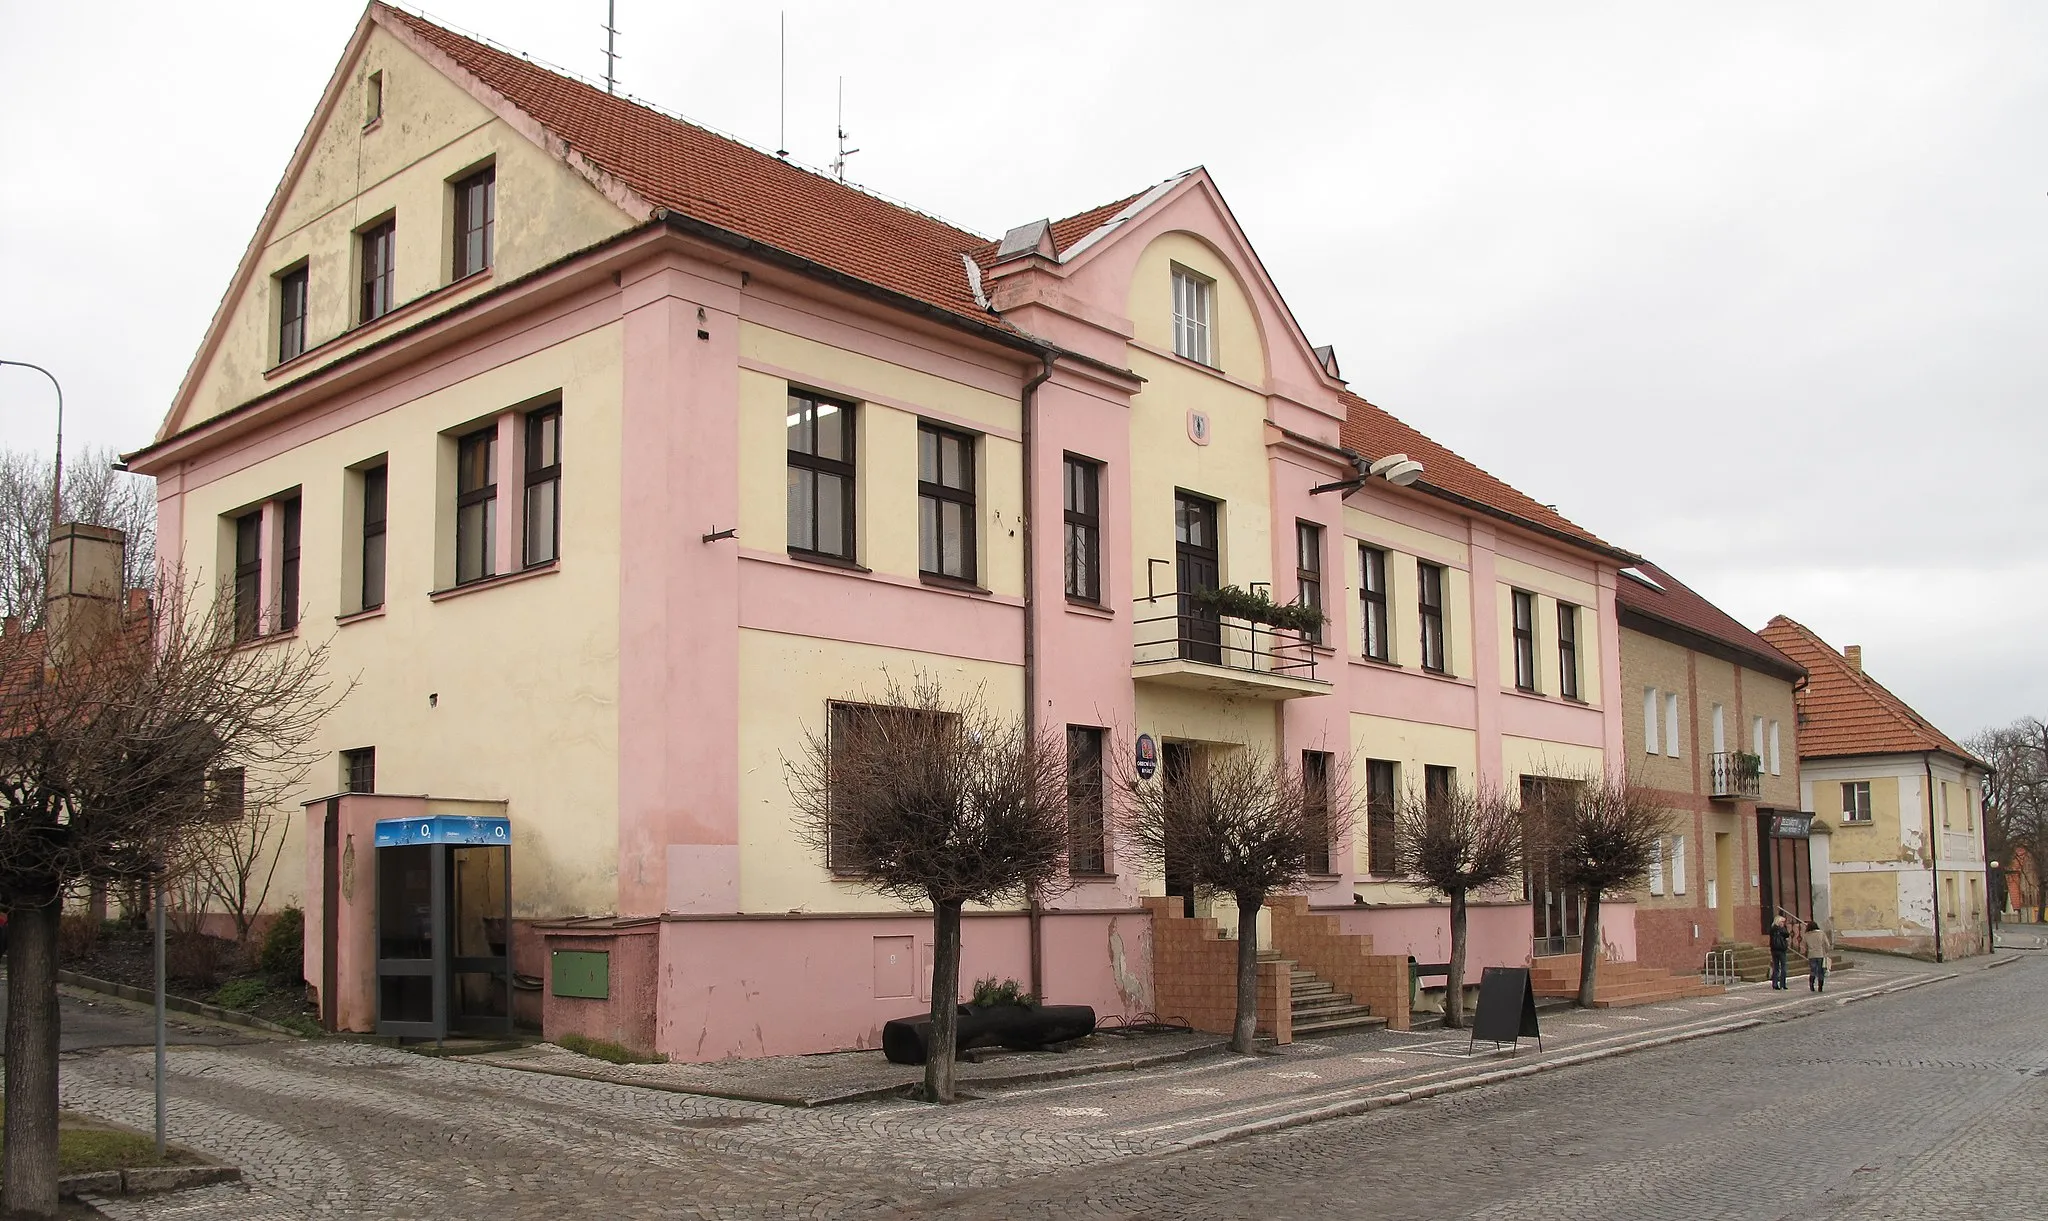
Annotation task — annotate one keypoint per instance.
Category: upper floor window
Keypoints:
(375, 487)
(291, 313)
(821, 474)
(1192, 295)
(1568, 650)
(249, 575)
(1372, 598)
(1774, 749)
(1084, 529)
(1380, 802)
(359, 769)
(1671, 725)
(1525, 640)
(288, 564)
(476, 209)
(1430, 601)
(1086, 854)
(379, 257)
(476, 505)
(1308, 573)
(1315, 793)
(373, 98)
(543, 524)
(945, 503)
(1856, 801)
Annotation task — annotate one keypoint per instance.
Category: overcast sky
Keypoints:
(1755, 290)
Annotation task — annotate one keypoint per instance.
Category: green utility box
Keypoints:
(584, 973)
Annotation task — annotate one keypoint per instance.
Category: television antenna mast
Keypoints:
(611, 46)
(782, 91)
(839, 162)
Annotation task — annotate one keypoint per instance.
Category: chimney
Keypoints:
(84, 597)
(1854, 654)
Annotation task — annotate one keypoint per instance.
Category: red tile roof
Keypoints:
(1680, 606)
(719, 181)
(1843, 711)
(1371, 431)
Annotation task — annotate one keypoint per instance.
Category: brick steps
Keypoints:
(1619, 985)
(1317, 1007)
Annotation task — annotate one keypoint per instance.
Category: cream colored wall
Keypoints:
(1549, 589)
(1771, 698)
(891, 400)
(1411, 746)
(1716, 685)
(1534, 757)
(1647, 661)
(786, 683)
(1231, 468)
(431, 133)
(504, 693)
(1877, 840)
(1403, 544)
(1234, 335)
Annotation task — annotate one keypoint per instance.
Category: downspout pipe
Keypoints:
(1028, 402)
(1933, 851)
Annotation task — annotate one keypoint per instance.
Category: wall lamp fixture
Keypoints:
(1397, 469)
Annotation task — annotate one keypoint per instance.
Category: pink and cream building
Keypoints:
(609, 454)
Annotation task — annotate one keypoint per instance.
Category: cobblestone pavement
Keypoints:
(1931, 1104)
(342, 1129)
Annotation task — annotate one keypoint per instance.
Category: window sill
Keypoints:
(375, 612)
(257, 642)
(1322, 877)
(510, 578)
(1082, 606)
(955, 584)
(1382, 662)
(1091, 877)
(828, 561)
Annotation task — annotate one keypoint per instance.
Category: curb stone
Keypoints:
(174, 1004)
(144, 1179)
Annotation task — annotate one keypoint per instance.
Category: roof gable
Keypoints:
(1843, 711)
(1665, 598)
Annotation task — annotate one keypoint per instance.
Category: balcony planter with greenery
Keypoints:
(1231, 602)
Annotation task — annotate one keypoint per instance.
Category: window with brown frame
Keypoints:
(1568, 650)
(1087, 853)
(249, 575)
(846, 722)
(543, 486)
(227, 794)
(1372, 602)
(945, 503)
(1308, 571)
(1315, 786)
(1084, 529)
(1438, 785)
(288, 564)
(1525, 640)
(359, 769)
(291, 313)
(476, 505)
(1380, 801)
(375, 488)
(476, 211)
(379, 251)
(821, 476)
(1430, 601)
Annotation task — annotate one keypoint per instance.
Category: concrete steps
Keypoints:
(1619, 985)
(1317, 1007)
(1753, 962)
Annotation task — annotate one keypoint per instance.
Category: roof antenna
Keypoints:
(611, 46)
(839, 162)
(782, 92)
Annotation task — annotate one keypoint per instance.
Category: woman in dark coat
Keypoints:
(1781, 945)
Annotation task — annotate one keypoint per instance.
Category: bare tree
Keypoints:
(113, 722)
(2016, 802)
(1239, 823)
(1597, 835)
(236, 861)
(1456, 843)
(931, 796)
(94, 493)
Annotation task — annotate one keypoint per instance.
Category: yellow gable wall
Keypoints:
(891, 400)
(438, 685)
(431, 133)
(1235, 342)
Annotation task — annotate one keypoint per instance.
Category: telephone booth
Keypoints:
(444, 926)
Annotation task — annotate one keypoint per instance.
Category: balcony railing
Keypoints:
(1736, 775)
(1220, 652)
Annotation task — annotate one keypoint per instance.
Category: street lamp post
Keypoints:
(57, 472)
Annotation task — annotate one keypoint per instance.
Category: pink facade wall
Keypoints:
(1496, 934)
(764, 986)
(626, 1016)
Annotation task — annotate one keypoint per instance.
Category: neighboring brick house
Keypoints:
(1907, 862)
(1717, 738)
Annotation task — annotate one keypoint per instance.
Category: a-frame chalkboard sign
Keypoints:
(1507, 1008)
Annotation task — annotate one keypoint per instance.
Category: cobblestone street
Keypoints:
(1912, 1103)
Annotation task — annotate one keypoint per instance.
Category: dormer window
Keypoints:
(1191, 298)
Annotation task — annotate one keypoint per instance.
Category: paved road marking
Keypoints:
(1074, 1112)
(1197, 1091)
(1297, 1076)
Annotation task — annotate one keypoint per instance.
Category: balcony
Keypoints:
(1220, 654)
(1735, 776)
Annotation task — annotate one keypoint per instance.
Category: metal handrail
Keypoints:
(1735, 773)
(1241, 644)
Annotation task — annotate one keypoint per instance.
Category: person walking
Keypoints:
(1781, 945)
(1818, 945)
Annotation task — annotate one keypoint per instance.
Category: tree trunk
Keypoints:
(1589, 950)
(28, 1169)
(1247, 973)
(1454, 983)
(940, 1052)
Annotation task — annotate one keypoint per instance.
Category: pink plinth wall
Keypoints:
(626, 1016)
(1496, 935)
(1618, 930)
(771, 986)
